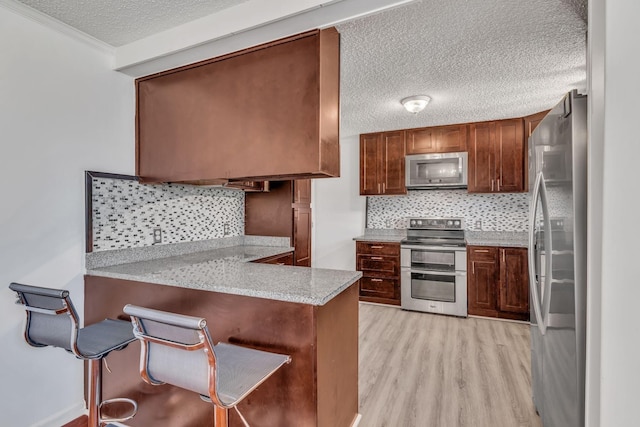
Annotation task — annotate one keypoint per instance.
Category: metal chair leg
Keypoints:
(95, 401)
(220, 417)
(95, 392)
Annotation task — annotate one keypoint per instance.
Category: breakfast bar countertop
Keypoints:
(230, 270)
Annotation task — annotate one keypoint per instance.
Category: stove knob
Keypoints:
(419, 222)
(456, 223)
(449, 223)
(412, 222)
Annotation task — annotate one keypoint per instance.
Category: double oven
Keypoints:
(433, 262)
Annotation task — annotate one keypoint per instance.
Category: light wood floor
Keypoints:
(423, 370)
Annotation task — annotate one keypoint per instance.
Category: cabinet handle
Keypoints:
(376, 247)
(384, 190)
(376, 280)
(378, 187)
(473, 268)
(492, 185)
(481, 251)
(503, 255)
(498, 185)
(377, 258)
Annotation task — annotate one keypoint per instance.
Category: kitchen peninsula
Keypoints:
(310, 314)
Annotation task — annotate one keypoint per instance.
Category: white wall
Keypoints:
(339, 212)
(62, 111)
(620, 281)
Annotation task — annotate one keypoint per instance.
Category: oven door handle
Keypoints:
(434, 248)
(436, 273)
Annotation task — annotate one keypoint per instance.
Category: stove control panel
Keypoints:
(437, 223)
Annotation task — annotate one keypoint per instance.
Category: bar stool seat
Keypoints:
(241, 369)
(53, 321)
(178, 350)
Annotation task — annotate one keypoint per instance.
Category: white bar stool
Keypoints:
(52, 321)
(177, 350)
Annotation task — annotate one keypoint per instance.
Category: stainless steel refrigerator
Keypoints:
(557, 262)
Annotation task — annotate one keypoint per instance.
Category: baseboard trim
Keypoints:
(356, 422)
(63, 417)
(500, 319)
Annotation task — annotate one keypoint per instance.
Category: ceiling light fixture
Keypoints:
(415, 104)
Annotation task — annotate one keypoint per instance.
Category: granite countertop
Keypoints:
(516, 239)
(229, 270)
(382, 235)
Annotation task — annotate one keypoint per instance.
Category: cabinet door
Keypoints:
(510, 156)
(369, 163)
(482, 280)
(392, 172)
(421, 141)
(302, 191)
(531, 122)
(442, 139)
(481, 157)
(514, 281)
(302, 236)
(302, 222)
(451, 139)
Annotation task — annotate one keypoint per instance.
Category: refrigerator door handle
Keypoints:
(533, 289)
(548, 243)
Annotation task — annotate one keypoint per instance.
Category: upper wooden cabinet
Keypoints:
(382, 163)
(497, 157)
(442, 139)
(530, 124)
(532, 121)
(271, 111)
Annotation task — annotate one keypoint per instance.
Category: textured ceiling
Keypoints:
(122, 22)
(477, 60)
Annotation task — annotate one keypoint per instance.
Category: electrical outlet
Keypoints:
(157, 235)
(225, 229)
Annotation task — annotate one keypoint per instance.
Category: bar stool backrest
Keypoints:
(51, 318)
(176, 350)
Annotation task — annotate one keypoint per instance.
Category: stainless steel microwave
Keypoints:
(438, 170)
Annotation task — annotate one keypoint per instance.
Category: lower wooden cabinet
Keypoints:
(283, 259)
(380, 266)
(498, 282)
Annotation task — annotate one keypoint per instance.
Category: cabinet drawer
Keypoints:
(285, 259)
(372, 265)
(482, 253)
(378, 248)
(377, 287)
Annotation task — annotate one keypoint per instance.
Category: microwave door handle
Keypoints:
(533, 289)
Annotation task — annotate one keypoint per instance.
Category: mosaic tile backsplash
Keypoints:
(125, 213)
(496, 212)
